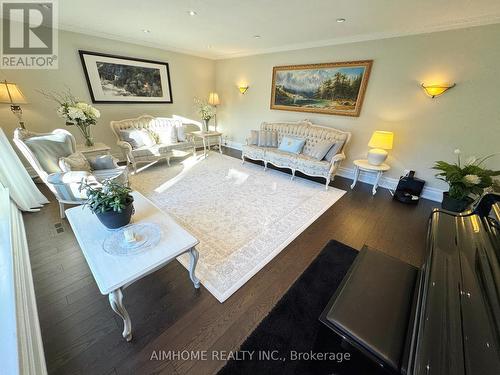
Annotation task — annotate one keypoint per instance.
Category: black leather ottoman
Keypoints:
(372, 307)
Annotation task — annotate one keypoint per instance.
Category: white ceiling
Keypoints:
(226, 28)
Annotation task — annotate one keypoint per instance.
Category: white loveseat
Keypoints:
(159, 150)
(300, 162)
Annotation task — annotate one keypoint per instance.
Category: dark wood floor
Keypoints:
(82, 335)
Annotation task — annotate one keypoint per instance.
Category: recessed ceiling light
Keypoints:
(146, 31)
(340, 20)
(192, 13)
(256, 36)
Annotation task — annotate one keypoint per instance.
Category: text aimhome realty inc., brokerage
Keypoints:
(29, 34)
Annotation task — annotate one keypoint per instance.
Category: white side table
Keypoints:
(363, 165)
(205, 136)
(97, 149)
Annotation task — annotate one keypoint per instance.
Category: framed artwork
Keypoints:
(118, 79)
(333, 88)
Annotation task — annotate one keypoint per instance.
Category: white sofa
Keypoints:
(300, 162)
(148, 154)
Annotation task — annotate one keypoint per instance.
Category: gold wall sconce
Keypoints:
(243, 89)
(436, 90)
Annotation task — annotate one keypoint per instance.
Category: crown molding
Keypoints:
(456, 24)
(452, 25)
(143, 43)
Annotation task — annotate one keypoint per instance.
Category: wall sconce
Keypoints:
(436, 90)
(243, 89)
(11, 94)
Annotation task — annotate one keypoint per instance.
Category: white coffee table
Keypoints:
(113, 273)
(364, 165)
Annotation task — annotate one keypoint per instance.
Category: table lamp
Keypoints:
(379, 143)
(213, 99)
(11, 94)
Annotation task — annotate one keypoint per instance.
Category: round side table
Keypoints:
(363, 165)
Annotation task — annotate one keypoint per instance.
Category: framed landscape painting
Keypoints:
(333, 88)
(118, 79)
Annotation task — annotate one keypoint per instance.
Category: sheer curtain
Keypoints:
(13, 175)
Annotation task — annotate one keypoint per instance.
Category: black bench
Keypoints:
(372, 308)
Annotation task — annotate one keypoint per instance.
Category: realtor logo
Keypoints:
(29, 34)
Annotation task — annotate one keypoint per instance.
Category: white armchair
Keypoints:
(43, 152)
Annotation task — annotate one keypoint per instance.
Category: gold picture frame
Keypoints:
(331, 88)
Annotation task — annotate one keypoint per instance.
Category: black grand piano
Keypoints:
(441, 319)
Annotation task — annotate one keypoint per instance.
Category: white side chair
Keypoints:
(43, 152)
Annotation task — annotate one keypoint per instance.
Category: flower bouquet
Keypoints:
(205, 110)
(77, 113)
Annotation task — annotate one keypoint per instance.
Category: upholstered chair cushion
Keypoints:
(281, 158)
(102, 162)
(254, 137)
(48, 148)
(319, 150)
(334, 150)
(74, 162)
(292, 144)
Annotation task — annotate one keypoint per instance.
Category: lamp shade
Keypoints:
(436, 90)
(213, 98)
(10, 93)
(381, 139)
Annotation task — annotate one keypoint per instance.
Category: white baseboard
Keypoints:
(430, 193)
(232, 144)
(390, 183)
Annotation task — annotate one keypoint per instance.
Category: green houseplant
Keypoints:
(111, 202)
(467, 180)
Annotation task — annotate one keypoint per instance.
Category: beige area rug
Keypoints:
(242, 215)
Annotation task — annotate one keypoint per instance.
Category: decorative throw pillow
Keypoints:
(102, 162)
(181, 132)
(167, 135)
(334, 150)
(254, 137)
(132, 136)
(74, 162)
(320, 149)
(147, 138)
(268, 138)
(137, 137)
(292, 144)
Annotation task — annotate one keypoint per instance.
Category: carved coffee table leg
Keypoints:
(193, 253)
(116, 302)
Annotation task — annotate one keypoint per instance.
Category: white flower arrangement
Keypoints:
(75, 112)
(205, 110)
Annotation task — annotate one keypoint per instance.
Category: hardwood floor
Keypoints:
(82, 335)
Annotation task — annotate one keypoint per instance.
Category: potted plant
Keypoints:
(77, 113)
(467, 181)
(111, 202)
(205, 110)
